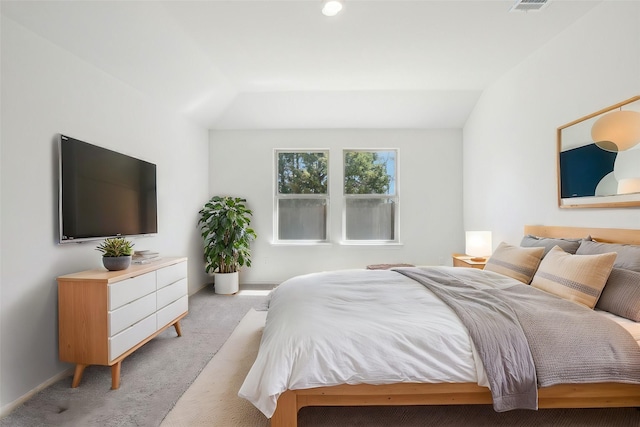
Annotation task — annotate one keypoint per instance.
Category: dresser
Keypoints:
(104, 316)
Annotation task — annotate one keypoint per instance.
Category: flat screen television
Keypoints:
(103, 193)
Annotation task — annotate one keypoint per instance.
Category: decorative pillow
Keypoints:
(567, 245)
(628, 255)
(621, 294)
(516, 262)
(577, 278)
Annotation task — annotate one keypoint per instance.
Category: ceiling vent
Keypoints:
(529, 5)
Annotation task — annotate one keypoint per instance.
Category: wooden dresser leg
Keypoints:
(115, 376)
(77, 375)
(178, 328)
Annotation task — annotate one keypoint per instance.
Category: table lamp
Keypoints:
(478, 245)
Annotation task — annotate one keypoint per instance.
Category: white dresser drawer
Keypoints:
(121, 293)
(170, 293)
(131, 336)
(172, 311)
(171, 274)
(131, 313)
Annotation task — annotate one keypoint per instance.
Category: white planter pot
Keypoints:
(226, 283)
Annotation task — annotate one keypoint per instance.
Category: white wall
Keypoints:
(429, 182)
(510, 139)
(46, 91)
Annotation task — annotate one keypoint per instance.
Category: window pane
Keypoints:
(370, 219)
(302, 219)
(302, 173)
(369, 172)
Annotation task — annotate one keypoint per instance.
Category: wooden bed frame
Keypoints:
(560, 396)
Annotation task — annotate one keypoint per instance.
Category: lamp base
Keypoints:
(477, 259)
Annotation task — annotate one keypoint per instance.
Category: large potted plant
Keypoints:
(224, 225)
(116, 253)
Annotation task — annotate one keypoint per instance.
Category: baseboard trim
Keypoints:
(246, 285)
(199, 289)
(9, 407)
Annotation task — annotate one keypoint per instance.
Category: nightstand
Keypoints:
(461, 260)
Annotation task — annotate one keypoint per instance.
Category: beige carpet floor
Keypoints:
(212, 400)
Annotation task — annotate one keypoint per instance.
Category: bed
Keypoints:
(452, 382)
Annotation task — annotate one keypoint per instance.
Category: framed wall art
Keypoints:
(599, 158)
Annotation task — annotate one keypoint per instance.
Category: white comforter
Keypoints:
(359, 326)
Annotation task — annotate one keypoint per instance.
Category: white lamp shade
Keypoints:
(621, 128)
(478, 243)
(331, 7)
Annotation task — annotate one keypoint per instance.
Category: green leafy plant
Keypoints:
(224, 225)
(115, 246)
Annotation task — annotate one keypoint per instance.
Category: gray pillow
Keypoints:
(628, 255)
(567, 245)
(621, 294)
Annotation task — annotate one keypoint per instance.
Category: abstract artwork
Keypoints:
(599, 158)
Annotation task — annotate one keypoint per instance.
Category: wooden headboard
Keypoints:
(608, 235)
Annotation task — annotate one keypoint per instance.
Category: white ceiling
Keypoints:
(283, 65)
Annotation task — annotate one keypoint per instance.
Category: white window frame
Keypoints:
(278, 197)
(395, 197)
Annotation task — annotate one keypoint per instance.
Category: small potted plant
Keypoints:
(116, 253)
(224, 225)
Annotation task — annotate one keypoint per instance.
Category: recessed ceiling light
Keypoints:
(331, 7)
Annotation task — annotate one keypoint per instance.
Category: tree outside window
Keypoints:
(302, 197)
(370, 196)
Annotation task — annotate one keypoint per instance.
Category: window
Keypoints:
(370, 196)
(302, 196)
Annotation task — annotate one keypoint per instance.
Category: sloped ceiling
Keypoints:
(282, 64)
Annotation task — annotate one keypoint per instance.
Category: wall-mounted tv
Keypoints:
(103, 193)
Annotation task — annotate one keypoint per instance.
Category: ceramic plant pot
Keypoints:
(226, 283)
(115, 263)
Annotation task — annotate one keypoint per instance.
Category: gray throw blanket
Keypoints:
(522, 333)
